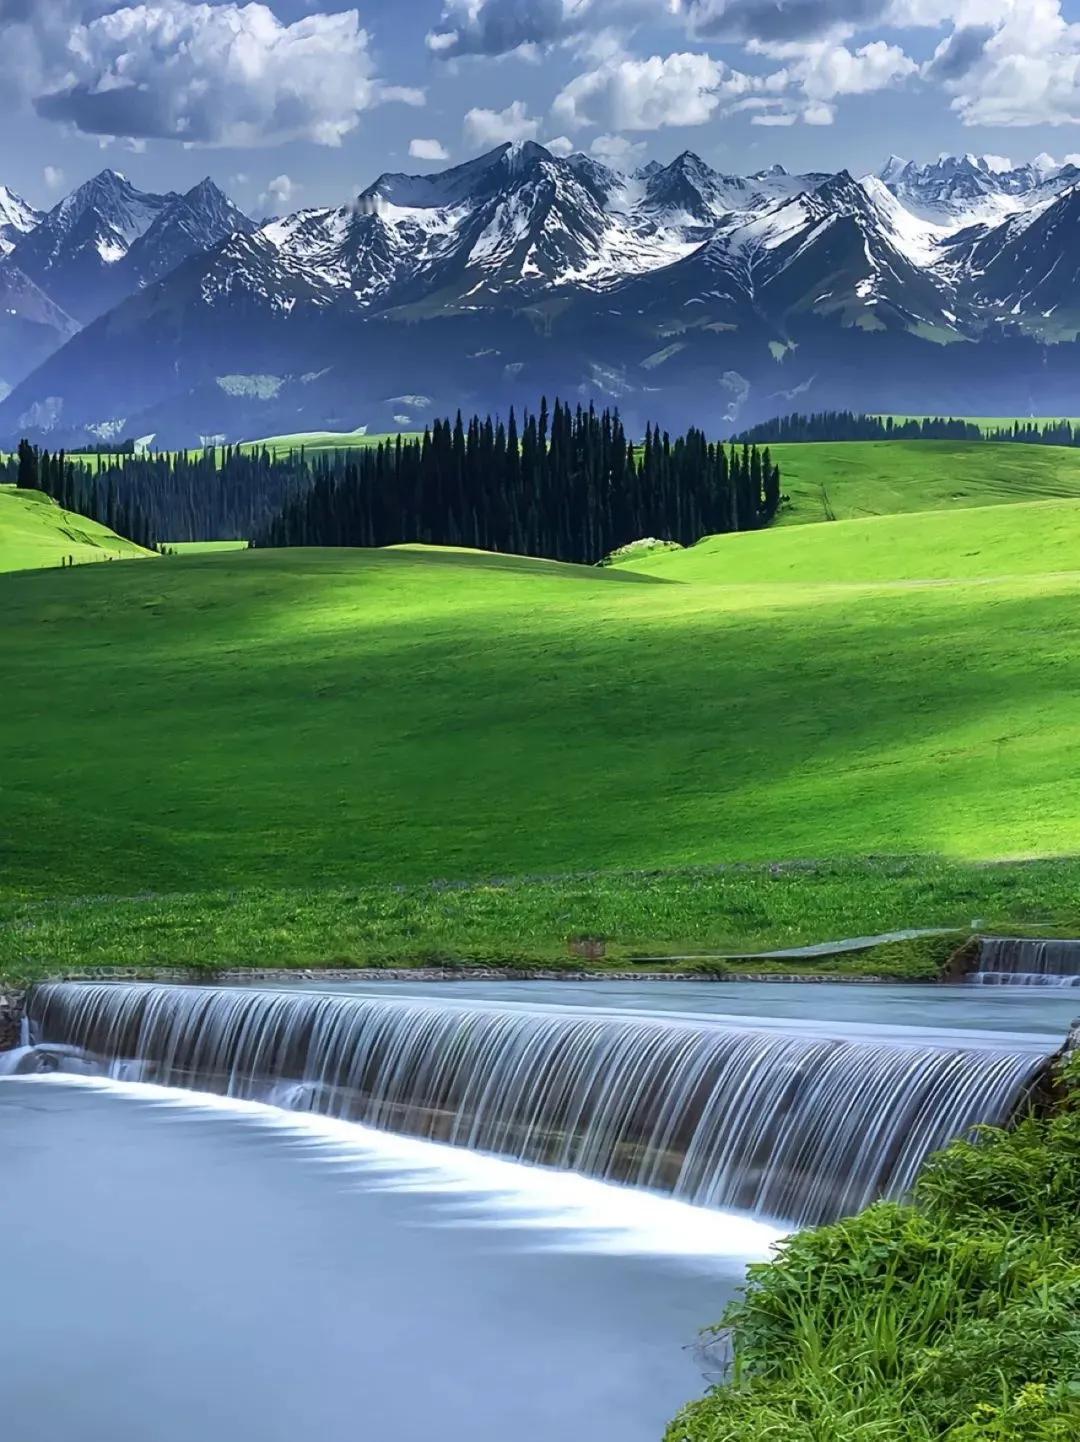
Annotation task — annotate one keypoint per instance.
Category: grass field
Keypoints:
(843, 480)
(1037, 538)
(315, 442)
(206, 548)
(266, 729)
(36, 533)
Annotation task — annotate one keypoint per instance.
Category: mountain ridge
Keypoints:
(667, 288)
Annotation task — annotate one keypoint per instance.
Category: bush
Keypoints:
(955, 1318)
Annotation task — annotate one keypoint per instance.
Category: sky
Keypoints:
(288, 103)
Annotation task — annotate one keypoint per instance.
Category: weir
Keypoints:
(800, 1128)
(1021, 961)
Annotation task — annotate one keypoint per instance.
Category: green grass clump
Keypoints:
(36, 533)
(953, 1319)
(848, 479)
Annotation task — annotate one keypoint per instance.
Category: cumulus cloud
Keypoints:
(53, 177)
(1025, 71)
(497, 27)
(279, 192)
(771, 20)
(496, 127)
(616, 149)
(204, 74)
(630, 94)
(562, 145)
(428, 150)
(823, 71)
(957, 54)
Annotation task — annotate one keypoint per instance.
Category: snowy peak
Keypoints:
(70, 253)
(17, 219)
(114, 202)
(473, 181)
(194, 222)
(959, 191)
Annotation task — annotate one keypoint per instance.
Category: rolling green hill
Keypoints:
(362, 717)
(1035, 538)
(315, 442)
(843, 480)
(36, 533)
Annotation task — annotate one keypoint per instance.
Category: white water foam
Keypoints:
(569, 1212)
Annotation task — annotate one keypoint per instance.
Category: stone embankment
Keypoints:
(11, 1014)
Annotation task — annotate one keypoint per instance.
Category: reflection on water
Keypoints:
(205, 1269)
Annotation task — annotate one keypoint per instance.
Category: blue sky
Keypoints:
(302, 102)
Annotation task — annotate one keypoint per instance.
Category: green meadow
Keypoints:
(205, 548)
(35, 532)
(848, 479)
(351, 756)
(316, 442)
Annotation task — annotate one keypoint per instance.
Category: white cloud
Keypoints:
(561, 145)
(819, 114)
(53, 177)
(428, 150)
(499, 27)
(496, 127)
(279, 192)
(823, 70)
(616, 149)
(1025, 71)
(630, 94)
(774, 117)
(229, 74)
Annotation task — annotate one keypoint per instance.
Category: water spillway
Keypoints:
(799, 1127)
(1020, 961)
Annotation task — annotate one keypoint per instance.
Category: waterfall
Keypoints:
(1018, 961)
(801, 1128)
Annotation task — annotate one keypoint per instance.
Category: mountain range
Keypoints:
(683, 294)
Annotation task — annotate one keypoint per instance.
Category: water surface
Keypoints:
(196, 1271)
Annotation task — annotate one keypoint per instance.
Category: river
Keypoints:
(186, 1266)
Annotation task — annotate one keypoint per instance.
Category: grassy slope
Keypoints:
(1039, 538)
(316, 442)
(36, 533)
(871, 478)
(327, 721)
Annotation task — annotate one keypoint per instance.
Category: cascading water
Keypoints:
(1019, 961)
(799, 1128)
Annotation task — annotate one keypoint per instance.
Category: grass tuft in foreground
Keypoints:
(953, 1319)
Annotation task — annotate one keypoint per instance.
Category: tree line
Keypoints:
(567, 484)
(564, 483)
(76, 488)
(212, 495)
(852, 426)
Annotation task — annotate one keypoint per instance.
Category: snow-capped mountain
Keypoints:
(676, 290)
(16, 219)
(961, 190)
(74, 248)
(192, 223)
